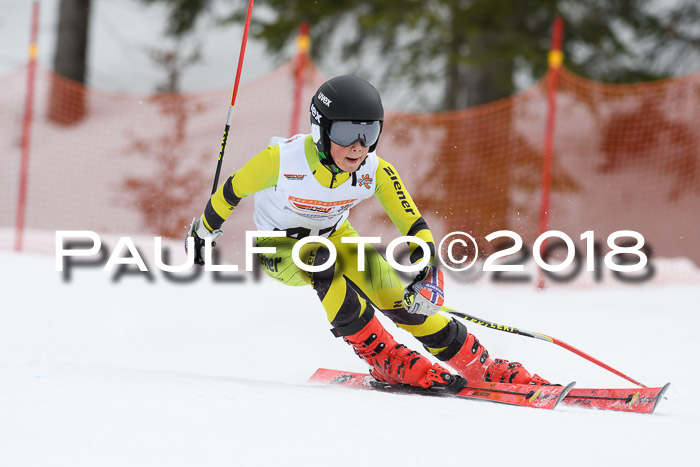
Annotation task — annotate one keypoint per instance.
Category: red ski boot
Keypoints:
(391, 362)
(471, 360)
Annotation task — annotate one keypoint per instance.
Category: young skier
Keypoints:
(305, 186)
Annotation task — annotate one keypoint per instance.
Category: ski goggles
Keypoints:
(345, 133)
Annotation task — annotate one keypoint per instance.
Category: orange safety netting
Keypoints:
(626, 157)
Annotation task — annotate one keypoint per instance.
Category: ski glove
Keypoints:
(198, 231)
(425, 294)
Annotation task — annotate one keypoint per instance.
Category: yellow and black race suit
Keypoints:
(343, 290)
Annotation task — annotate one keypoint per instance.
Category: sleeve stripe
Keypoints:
(229, 194)
(417, 254)
(212, 218)
(417, 226)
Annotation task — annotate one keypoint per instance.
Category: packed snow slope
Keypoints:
(139, 373)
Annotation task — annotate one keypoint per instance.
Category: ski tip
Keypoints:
(565, 392)
(659, 396)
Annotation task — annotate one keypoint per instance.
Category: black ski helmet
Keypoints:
(345, 97)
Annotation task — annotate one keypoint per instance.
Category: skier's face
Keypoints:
(348, 158)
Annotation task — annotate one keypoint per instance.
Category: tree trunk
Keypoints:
(493, 79)
(454, 97)
(477, 179)
(67, 105)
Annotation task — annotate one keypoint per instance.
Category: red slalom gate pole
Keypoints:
(554, 58)
(26, 130)
(303, 43)
(229, 117)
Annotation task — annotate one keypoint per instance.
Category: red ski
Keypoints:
(639, 400)
(541, 397)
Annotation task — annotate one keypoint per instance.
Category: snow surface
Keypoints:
(138, 373)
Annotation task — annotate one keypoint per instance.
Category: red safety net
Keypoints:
(626, 157)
